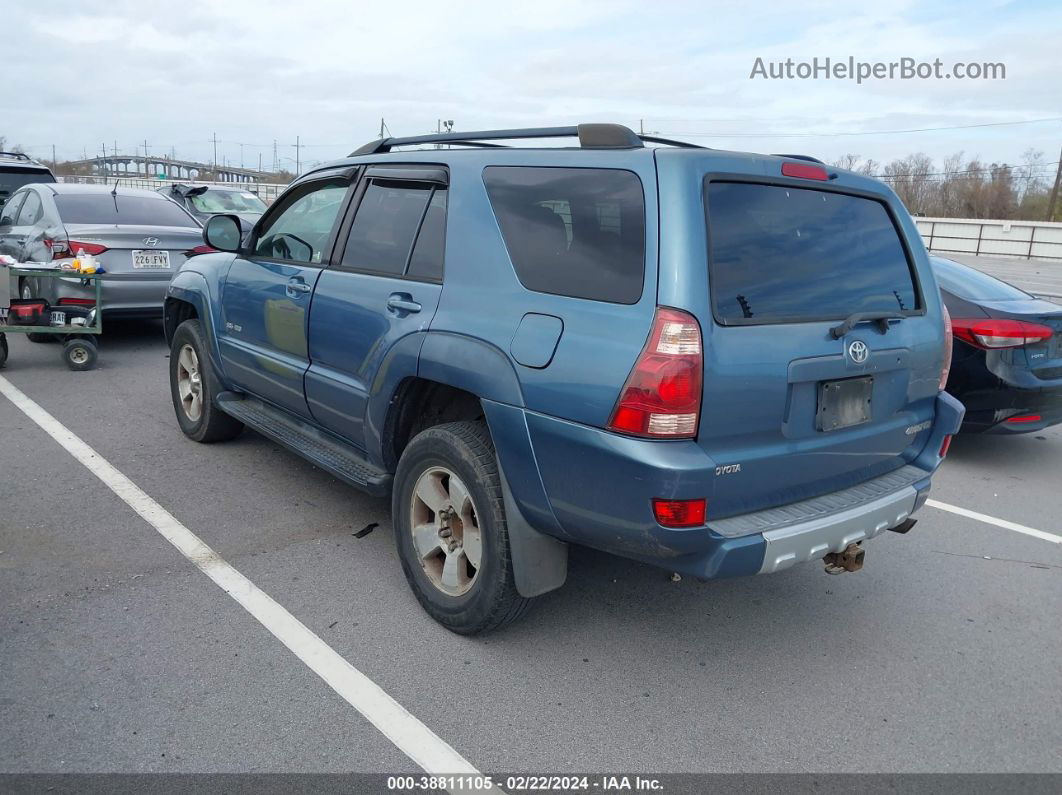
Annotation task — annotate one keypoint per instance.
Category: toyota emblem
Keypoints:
(151, 241)
(858, 351)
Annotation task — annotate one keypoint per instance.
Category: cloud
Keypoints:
(90, 72)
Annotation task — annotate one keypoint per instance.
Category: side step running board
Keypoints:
(320, 448)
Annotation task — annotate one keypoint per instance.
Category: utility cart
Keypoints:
(76, 325)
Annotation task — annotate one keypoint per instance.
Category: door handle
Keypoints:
(402, 302)
(296, 286)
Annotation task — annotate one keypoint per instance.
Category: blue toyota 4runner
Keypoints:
(715, 362)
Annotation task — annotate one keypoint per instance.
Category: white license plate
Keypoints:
(151, 260)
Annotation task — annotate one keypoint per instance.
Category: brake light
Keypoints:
(991, 333)
(662, 396)
(680, 513)
(77, 302)
(202, 248)
(945, 445)
(948, 346)
(1026, 418)
(804, 171)
(76, 247)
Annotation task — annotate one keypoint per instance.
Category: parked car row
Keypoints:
(140, 237)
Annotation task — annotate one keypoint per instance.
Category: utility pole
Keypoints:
(215, 151)
(298, 161)
(641, 126)
(381, 127)
(53, 155)
(1054, 190)
(145, 149)
(241, 155)
(275, 164)
(259, 162)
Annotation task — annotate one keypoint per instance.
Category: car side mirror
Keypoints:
(222, 232)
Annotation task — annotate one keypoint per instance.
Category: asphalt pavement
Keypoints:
(944, 654)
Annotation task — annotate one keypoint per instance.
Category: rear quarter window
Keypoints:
(578, 232)
(103, 208)
(780, 254)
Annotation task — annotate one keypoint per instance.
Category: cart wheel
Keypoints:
(79, 353)
(3, 349)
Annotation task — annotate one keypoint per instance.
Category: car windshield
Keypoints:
(227, 201)
(972, 285)
(11, 179)
(103, 208)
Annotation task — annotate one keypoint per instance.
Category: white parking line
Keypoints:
(984, 517)
(412, 737)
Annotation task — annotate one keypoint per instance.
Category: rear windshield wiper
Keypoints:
(882, 319)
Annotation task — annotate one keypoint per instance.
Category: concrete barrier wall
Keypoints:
(1024, 239)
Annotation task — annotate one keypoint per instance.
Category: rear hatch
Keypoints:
(793, 405)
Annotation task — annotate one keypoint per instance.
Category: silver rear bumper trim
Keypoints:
(812, 540)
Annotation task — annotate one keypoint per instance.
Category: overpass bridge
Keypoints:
(149, 167)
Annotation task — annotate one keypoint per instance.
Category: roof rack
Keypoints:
(591, 136)
(16, 155)
(809, 158)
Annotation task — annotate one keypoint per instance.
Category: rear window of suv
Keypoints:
(787, 255)
(11, 179)
(103, 208)
(578, 232)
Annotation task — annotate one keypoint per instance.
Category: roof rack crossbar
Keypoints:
(16, 155)
(591, 136)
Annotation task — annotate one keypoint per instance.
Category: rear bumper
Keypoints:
(988, 410)
(600, 485)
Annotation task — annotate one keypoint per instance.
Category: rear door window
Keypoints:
(103, 208)
(779, 254)
(578, 232)
(31, 211)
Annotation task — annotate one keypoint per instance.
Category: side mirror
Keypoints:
(222, 232)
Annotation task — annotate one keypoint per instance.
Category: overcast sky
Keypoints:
(81, 74)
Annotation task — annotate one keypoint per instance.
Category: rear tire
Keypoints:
(194, 388)
(450, 530)
(3, 350)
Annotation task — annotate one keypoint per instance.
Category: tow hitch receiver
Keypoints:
(849, 560)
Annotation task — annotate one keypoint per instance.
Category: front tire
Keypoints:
(80, 353)
(193, 388)
(450, 530)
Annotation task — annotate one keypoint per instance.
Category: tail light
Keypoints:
(680, 513)
(992, 333)
(948, 346)
(77, 302)
(202, 248)
(1025, 418)
(662, 395)
(945, 446)
(76, 247)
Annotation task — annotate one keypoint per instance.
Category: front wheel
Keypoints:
(193, 388)
(450, 529)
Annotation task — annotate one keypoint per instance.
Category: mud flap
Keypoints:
(540, 562)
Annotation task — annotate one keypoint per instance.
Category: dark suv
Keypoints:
(18, 169)
(715, 362)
